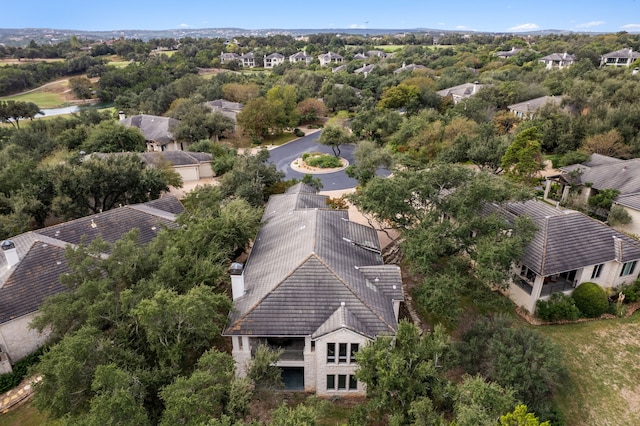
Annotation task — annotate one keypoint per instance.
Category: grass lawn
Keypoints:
(603, 362)
(25, 415)
(42, 99)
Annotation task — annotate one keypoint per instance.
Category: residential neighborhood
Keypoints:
(332, 227)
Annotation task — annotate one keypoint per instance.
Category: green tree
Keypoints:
(257, 117)
(400, 96)
(334, 136)
(262, 369)
(523, 158)
(101, 183)
(13, 111)
(481, 403)
(251, 178)
(81, 87)
(203, 395)
(521, 417)
(400, 371)
(368, 158)
(110, 136)
(197, 122)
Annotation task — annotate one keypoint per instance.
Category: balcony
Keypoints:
(292, 347)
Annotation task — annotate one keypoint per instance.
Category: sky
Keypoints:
(485, 15)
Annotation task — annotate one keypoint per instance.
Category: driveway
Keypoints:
(282, 156)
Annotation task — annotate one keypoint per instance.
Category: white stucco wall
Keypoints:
(18, 340)
(634, 226)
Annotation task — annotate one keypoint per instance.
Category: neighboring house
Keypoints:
(272, 60)
(568, 248)
(339, 68)
(359, 56)
(247, 60)
(462, 91)
(156, 131)
(315, 286)
(31, 263)
(528, 109)
(506, 54)
(365, 70)
(378, 53)
(191, 166)
(227, 108)
(409, 68)
(226, 57)
(300, 57)
(330, 58)
(619, 58)
(601, 172)
(558, 60)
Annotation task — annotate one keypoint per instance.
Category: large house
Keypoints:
(528, 109)
(273, 59)
(315, 286)
(330, 58)
(462, 91)
(568, 248)
(156, 131)
(558, 60)
(409, 68)
(191, 166)
(506, 54)
(227, 57)
(619, 58)
(598, 173)
(227, 108)
(31, 263)
(248, 60)
(300, 57)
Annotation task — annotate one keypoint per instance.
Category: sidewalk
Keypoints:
(18, 395)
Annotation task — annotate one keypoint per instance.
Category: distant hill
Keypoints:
(22, 36)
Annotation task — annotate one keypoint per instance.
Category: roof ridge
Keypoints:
(545, 240)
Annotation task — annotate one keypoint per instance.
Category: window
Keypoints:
(342, 381)
(597, 270)
(353, 383)
(628, 268)
(331, 381)
(342, 355)
(239, 342)
(354, 350)
(331, 352)
(313, 346)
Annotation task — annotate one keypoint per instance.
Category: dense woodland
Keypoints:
(124, 344)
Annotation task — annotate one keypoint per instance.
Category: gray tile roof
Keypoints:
(409, 68)
(567, 240)
(559, 57)
(153, 127)
(364, 69)
(275, 55)
(532, 105)
(307, 261)
(623, 53)
(629, 200)
(604, 172)
(176, 158)
(462, 90)
(41, 253)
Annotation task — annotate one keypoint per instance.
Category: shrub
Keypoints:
(10, 380)
(618, 216)
(299, 133)
(631, 291)
(591, 299)
(558, 307)
(324, 161)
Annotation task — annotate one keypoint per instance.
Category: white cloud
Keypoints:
(524, 27)
(354, 26)
(590, 24)
(464, 28)
(183, 26)
(631, 27)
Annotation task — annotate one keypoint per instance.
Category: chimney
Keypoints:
(635, 71)
(564, 56)
(10, 253)
(404, 64)
(121, 115)
(236, 271)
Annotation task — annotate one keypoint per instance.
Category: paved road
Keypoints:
(284, 155)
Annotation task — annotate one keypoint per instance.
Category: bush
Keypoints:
(618, 216)
(299, 133)
(20, 369)
(591, 299)
(324, 161)
(631, 291)
(559, 307)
